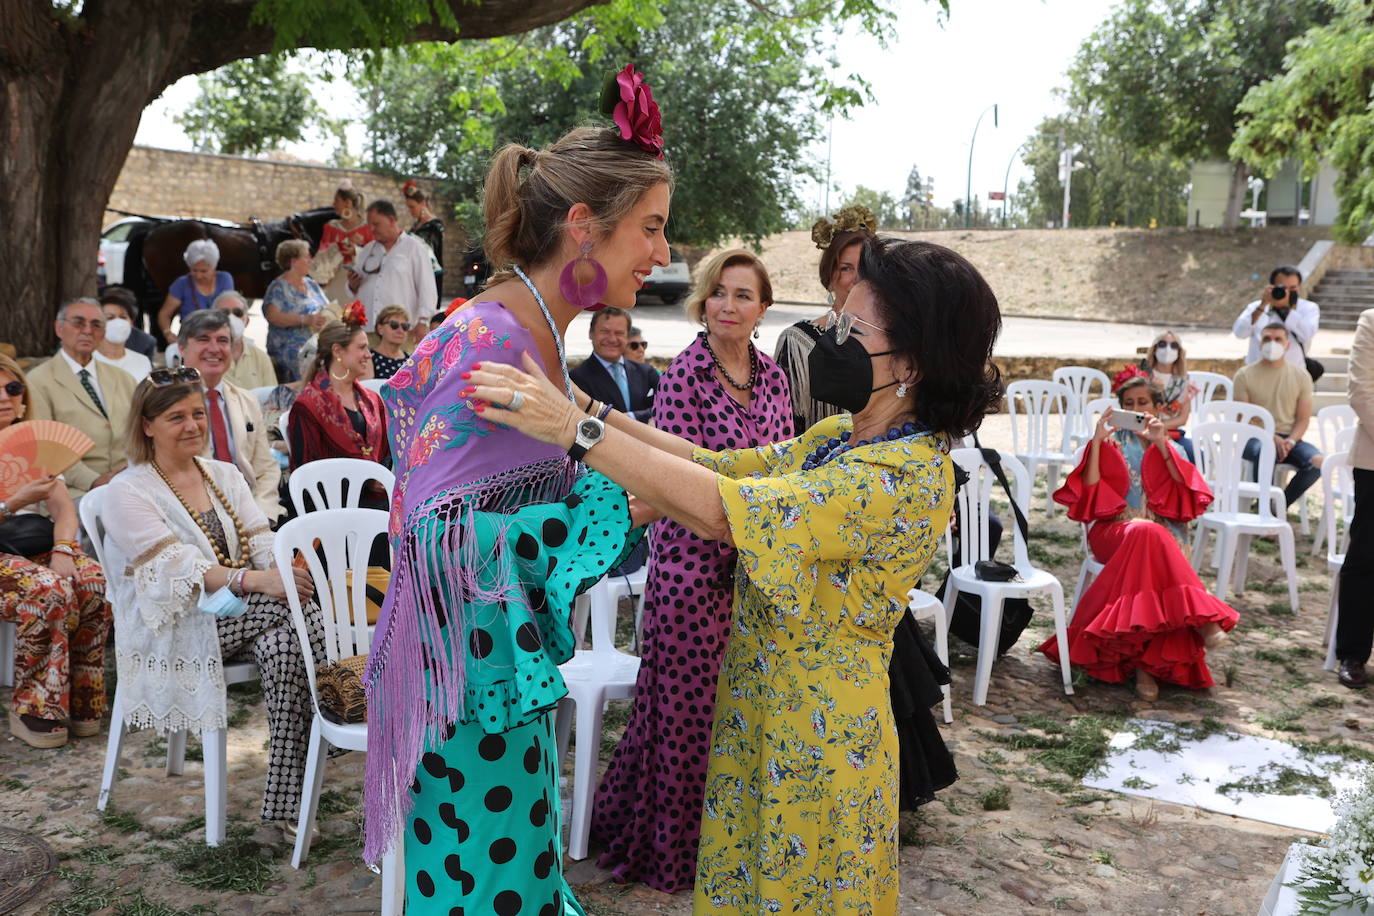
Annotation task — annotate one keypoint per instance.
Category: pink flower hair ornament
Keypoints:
(627, 100)
(1131, 375)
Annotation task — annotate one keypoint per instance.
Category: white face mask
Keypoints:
(1270, 349)
(117, 330)
(1165, 355)
(236, 328)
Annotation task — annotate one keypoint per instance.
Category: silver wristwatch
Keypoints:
(590, 431)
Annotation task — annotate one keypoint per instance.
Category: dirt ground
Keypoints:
(1154, 276)
(1017, 833)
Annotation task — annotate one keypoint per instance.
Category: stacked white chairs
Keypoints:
(594, 677)
(335, 545)
(1034, 401)
(1219, 448)
(925, 606)
(1209, 385)
(974, 545)
(1338, 491)
(336, 483)
(610, 589)
(1335, 431)
(213, 741)
(1081, 380)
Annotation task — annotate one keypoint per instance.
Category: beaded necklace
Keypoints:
(833, 448)
(242, 562)
(753, 364)
(553, 329)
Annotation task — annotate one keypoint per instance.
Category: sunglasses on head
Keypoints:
(398, 325)
(14, 389)
(161, 378)
(637, 344)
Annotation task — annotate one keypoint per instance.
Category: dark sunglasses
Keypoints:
(14, 389)
(161, 378)
(398, 325)
(238, 312)
(637, 344)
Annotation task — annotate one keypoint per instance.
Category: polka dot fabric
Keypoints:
(484, 834)
(647, 812)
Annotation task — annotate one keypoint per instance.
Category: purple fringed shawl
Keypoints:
(448, 461)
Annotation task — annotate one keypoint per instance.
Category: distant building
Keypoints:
(1288, 199)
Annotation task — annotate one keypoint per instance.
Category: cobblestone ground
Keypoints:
(1046, 844)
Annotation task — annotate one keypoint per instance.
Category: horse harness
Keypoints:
(269, 235)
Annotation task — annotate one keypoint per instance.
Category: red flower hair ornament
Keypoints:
(1131, 375)
(627, 100)
(354, 314)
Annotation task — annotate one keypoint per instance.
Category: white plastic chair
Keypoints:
(1208, 384)
(1037, 399)
(1338, 491)
(336, 483)
(262, 393)
(7, 633)
(1336, 427)
(345, 538)
(1245, 412)
(975, 545)
(925, 606)
(594, 676)
(1219, 447)
(284, 427)
(374, 384)
(213, 741)
(1081, 380)
(630, 585)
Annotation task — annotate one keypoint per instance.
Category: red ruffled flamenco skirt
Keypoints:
(1143, 610)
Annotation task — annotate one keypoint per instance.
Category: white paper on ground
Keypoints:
(1192, 773)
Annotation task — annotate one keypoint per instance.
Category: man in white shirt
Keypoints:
(234, 426)
(75, 388)
(393, 269)
(1300, 316)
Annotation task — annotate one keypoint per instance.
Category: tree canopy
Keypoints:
(250, 107)
(1321, 108)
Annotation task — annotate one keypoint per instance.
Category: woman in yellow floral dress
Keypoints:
(832, 529)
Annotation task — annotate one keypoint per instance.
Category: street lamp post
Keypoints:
(1006, 179)
(968, 188)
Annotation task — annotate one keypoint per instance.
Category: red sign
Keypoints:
(997, 195)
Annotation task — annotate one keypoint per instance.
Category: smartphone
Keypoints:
(1128, 419)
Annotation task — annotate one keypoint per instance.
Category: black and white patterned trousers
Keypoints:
(265, 636)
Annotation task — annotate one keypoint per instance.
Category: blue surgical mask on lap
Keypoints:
(223, 603)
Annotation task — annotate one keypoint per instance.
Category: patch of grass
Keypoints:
(99, 855)
(12, 784)
(1288, 720)
(120, 821)
(1228, 674)
(1280, 779)
(951, 806)
(177, 831)
(1264, 546)
(1135, 782)
(235, 865)
(83, 898)
(1326, 701)
(139, 905)
(1076, 749)
(998, 798)
(1102, 857)
(1202, 729)
(336, 801)
(1079, 799)
(1279, 609)
(1062, 538)
(1357, 753)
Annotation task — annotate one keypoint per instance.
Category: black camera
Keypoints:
(1280, 293)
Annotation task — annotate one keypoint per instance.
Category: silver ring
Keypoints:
(517, 400)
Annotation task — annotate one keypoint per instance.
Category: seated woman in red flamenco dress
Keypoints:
(1146, 613)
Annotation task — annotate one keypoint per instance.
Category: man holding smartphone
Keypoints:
(1279, 302)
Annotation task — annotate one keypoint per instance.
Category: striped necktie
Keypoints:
(85, 375)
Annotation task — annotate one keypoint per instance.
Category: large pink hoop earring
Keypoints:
(586, 296)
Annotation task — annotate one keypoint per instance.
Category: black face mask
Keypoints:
(842, 374)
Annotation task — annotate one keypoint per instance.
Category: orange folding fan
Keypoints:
(37, 449)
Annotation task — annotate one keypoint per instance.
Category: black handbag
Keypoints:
(28, 535)
(966, 621)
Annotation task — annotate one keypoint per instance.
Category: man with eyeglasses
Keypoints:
(393, 269)
(234, 426)
(252, 367)
(636, 347)
(75, 388)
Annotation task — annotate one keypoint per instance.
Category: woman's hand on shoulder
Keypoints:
(545, 413)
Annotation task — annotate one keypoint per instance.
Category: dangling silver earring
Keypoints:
(756, 332)
(901, 389)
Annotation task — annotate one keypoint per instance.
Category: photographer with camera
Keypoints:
(1280, 303)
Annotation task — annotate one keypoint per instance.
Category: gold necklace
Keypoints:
(224, 561)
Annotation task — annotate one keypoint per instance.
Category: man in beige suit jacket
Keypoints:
(98, 405)
(1355, 621)
(234, 427)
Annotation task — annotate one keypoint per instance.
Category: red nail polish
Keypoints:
(467, 391)
(479, 408)
(466, 375)
(476, 366)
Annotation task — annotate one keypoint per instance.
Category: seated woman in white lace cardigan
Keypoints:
(200, 587)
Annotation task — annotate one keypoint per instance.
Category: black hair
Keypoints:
(122, 297)
(942, 316)
(384, 207)
(1284, 270)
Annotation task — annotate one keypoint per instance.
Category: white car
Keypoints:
(670, 284)
(114, 242)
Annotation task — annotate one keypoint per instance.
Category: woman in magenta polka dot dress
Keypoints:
(720, 393)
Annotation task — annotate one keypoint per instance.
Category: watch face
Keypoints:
(589, 429)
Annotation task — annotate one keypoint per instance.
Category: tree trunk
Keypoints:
(1240, 183)
(72, 90)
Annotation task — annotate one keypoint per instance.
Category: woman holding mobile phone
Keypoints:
(1146, 613)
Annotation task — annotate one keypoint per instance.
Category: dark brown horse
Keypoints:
(248, 252)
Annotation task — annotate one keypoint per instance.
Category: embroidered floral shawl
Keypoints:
(332, 435)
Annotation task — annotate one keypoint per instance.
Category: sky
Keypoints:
(929, 84)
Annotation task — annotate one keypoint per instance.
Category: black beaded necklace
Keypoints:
(730, 379)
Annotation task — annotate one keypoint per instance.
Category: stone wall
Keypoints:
(162, 182)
